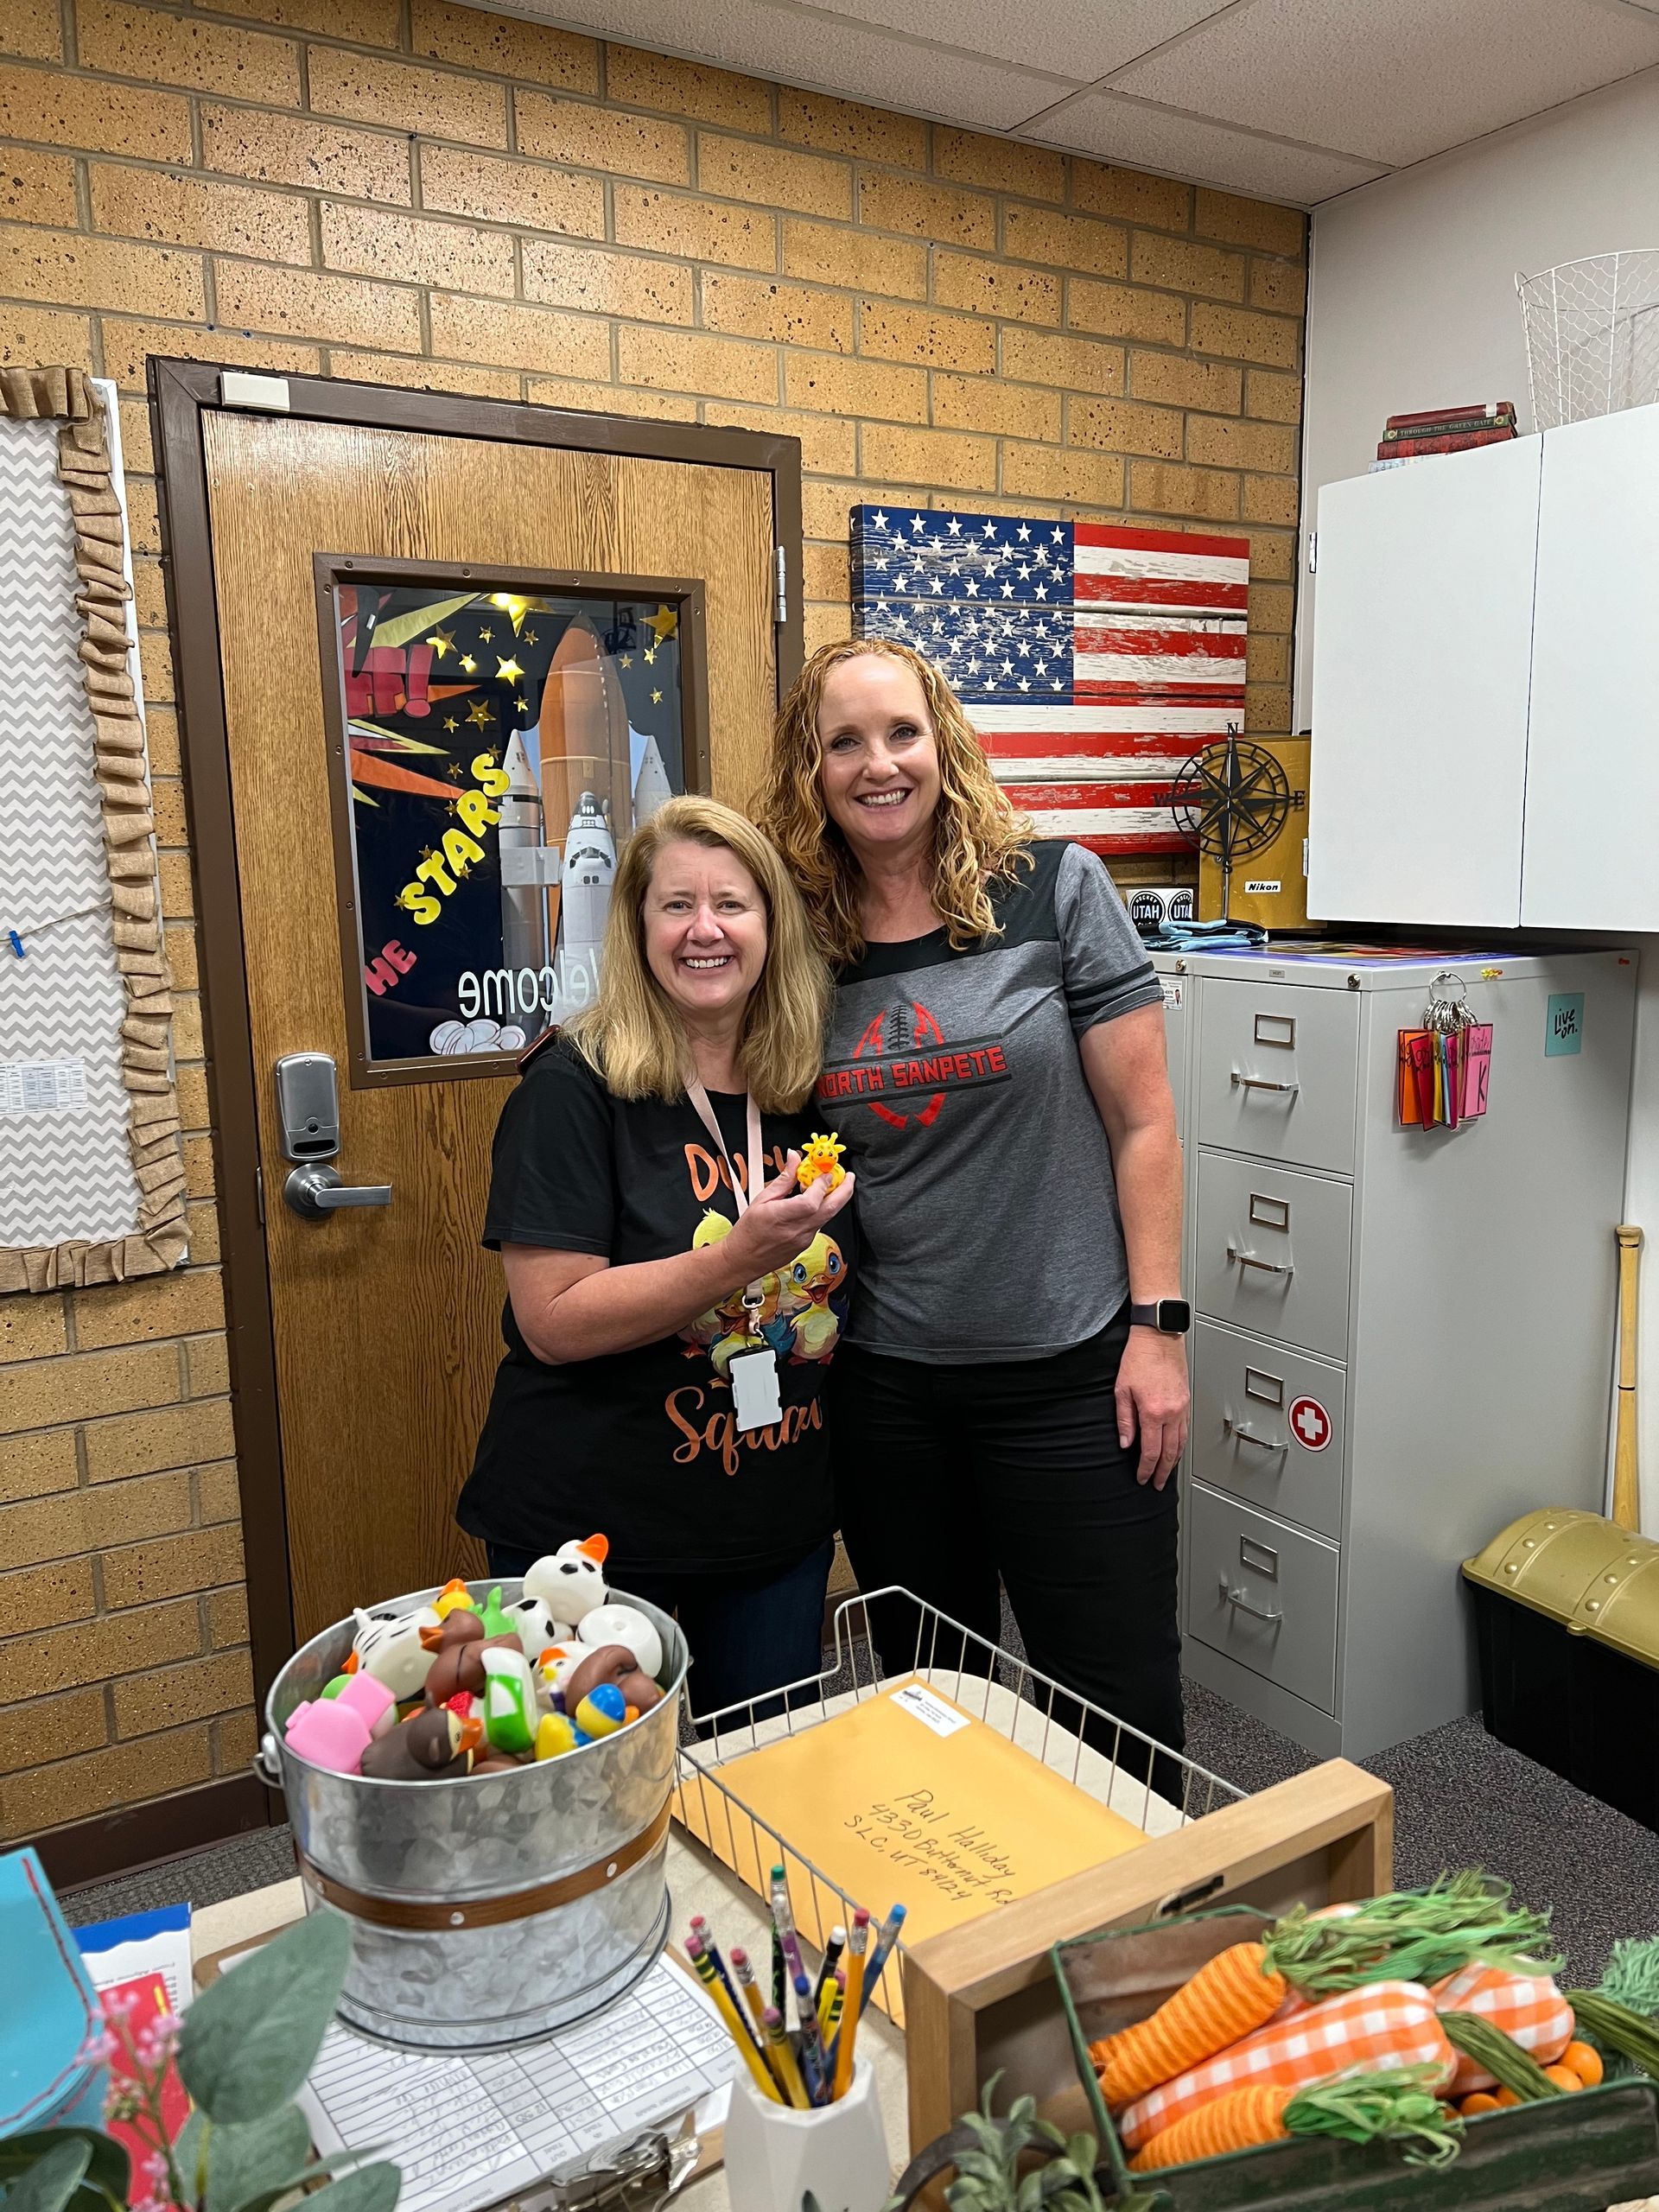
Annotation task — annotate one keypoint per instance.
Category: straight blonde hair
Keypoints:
(978, 839)
(632, 1038)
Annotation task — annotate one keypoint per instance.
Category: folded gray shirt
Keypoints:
(988, 1213)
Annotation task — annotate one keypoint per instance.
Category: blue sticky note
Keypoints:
(1564, 1025)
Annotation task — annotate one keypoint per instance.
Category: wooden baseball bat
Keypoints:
(1627, 1504)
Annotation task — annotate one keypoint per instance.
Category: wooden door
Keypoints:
(387, 1320)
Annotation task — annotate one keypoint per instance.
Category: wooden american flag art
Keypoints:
(1092, 659)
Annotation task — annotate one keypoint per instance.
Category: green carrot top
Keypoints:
(1411, 1936)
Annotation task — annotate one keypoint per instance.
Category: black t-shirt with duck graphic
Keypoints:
(642, 1444)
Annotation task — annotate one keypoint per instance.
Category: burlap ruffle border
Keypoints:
(158, 1241)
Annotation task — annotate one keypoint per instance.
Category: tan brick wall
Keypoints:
(406, 192)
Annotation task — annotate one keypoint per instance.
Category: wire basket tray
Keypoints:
(1593, 335)
(1102, 1756)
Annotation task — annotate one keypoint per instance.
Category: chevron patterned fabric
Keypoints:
(67, 1170)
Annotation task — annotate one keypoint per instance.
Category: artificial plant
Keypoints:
(242, 2049)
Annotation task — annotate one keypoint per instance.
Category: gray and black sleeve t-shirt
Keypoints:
(988, 1224)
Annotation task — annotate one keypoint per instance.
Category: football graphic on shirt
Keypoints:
(898, 1030)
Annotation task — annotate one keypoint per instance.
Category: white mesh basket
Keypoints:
(1593, 335)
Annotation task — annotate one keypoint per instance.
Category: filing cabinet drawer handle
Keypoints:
(1237, 1597)
(1231, 1427)
(1261, 1083)
(1267, 1267)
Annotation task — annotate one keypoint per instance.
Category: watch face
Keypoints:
(1174, 1316)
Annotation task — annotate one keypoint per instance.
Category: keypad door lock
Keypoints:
(307, 1107)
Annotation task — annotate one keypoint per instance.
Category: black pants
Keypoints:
(948, 1476)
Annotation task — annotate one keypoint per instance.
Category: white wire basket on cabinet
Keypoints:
(1593, 335)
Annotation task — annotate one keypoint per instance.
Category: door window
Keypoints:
(494, 743)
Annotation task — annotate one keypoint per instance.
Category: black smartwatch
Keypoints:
(1172, 1316)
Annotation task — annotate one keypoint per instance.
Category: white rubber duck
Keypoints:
(538, 1626)
(627, 1625)
(570, 1581)
(388, 1646)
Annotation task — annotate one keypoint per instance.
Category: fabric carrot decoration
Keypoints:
(1405, 1935)
(1385, 2026)
(1400, 2104)
(1528, 2007)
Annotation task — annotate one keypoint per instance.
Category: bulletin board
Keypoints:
(92, 1174)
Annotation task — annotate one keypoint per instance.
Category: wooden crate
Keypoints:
(982, 1999)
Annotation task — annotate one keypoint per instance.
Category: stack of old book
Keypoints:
(1444, 430)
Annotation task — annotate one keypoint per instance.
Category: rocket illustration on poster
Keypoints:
(503, 746)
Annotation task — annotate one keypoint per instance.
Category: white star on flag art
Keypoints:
(1092, 659)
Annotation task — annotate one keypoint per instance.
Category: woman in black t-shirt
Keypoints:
(650, 1306)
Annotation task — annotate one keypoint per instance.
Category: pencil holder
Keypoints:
(775, 2154)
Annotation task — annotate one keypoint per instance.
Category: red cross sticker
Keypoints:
(1310, 1424)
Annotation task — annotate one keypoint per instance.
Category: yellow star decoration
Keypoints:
(481, 714)
(469, 664)
(460, 867)
(656, 698)
(407, 896)
(429, 855)
(486, 637)
(520, 705)
(508, 670)
(440, 641)
(531, 638)
(627, 660)
(490, 756)
(451, 724)
(651, 655)
(664, 622)
(454, 772)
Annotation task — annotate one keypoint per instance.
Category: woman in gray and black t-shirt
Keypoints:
(1012, 1397)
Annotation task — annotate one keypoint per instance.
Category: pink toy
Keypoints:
(368, 1696)
(330, 1734)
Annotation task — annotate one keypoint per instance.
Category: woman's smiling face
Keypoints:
(878, 759)
(705, 927)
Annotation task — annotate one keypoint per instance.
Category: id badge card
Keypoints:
(754, 1388)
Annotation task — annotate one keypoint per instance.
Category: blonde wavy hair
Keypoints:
(632, 1036)
(978, 839)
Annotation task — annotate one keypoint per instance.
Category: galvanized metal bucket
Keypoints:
(486, 1911)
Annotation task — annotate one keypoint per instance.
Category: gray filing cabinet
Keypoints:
(1401, 1339)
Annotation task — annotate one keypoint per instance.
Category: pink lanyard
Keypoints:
(754, 1295)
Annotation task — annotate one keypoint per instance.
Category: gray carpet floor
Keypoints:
(1460, 1799)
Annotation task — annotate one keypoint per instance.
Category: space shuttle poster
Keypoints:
(501, 745)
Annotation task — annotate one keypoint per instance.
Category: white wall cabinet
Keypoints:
(1485, 718)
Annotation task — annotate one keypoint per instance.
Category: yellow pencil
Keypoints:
(778, 2049)
(756, 2005)
(826, 2006)
(740, 2034)
(847, 2034)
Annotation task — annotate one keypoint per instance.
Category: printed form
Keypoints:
(472, 2129)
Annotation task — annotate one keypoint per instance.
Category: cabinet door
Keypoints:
(1422, 634)
(1592, 762)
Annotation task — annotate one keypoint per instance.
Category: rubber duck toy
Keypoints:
(604, 1710)
(570, 1581)
(556, 1734)
(455, 1592)
(335, 1732)
(814, 1276)
(625, 1624)
(435, 1746)
(614, 1664)
(821, 1162)
(510, 1709)
(532, 1620)
(390, 1647)
(708, 1328)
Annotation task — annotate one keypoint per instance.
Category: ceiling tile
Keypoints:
(823, 53)
(1143, 136)
(1079, 38)
(1397, 80)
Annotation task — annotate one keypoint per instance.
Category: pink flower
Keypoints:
(120, 2008)
(99, 2048)
(153, 2169)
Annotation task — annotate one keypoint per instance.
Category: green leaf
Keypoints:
(250, 2037)
(258, 2155)
(371, 2188)
(48, 2181)
(106, 2171)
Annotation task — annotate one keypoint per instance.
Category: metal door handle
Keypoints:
(1261, 1083)
(1238, 1598)
(1231, 1427)
(317, 1190)
(1244, 1259)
